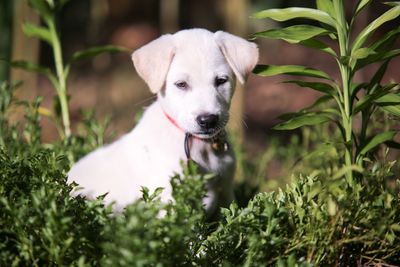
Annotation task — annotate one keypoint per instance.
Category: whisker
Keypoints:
(244, 123)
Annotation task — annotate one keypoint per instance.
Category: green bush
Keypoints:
(320, 219)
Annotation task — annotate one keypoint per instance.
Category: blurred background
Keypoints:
(109, 84)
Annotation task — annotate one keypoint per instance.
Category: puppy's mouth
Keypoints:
(208, 133)
(211, 132)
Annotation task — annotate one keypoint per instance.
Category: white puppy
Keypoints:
(193, 74)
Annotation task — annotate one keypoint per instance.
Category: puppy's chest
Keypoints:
(213, 156)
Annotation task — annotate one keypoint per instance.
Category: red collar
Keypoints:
(173, 121)
(187, 141)
(219, 143)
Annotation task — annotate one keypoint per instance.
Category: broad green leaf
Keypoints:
(389, 15)
(362, 53)
(361, 5)
(394, 109)
(37, 31)
(377, 78)
(293, 34)
(319, 101)
(373, 58)
(272, 70)
(386, 41)
(316, 44)
(389, 99)
(382, 49)
(377, 140)
(389, 103)
(95, 51)
(369, 99)
(331, 111)
(326, 6)
(302, 120)
(285, 14)
(320, 87)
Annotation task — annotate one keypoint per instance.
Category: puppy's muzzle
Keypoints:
(207, 122)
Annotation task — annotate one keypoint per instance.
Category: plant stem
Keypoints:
(62, 83)
(345, 73)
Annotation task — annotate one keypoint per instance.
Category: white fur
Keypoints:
(151, 153)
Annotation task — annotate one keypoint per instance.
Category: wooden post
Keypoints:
(24, 48)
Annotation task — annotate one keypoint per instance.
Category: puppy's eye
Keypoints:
(220, 81)
(181, 85)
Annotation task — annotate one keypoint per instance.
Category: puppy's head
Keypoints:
(193, 73)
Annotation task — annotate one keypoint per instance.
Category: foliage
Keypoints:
(47, 10)
(317, 220)
(351, 99)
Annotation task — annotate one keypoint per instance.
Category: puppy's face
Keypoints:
(198, 89)
(193, 72)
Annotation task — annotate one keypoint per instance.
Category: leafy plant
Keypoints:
(317, 220)
(47, 9)
(351, 99)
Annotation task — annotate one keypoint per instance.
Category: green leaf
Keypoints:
(293, 34)
(389, 103)
(285, 14)
(272, 70)
(321, 150)
(95, 51)
(356, 87)
(362, 53)
(346, 169)
(373, 58)
(326, 6)
(389, 99)
(394, 110)
(42, 8)
(29, 66)
(319, 101)
(307, 110)
(369, 99)
(302, 120)
(361, 5)
(320, 87)
(386, 41)
(387, 16)
(37, 31)
(377, 78)
(392, 3)
(377, 140)
(316, 44)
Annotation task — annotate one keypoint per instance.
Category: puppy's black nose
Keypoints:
(207, 121)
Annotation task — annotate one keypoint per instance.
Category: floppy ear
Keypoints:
(152, 61)
(242, 55)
